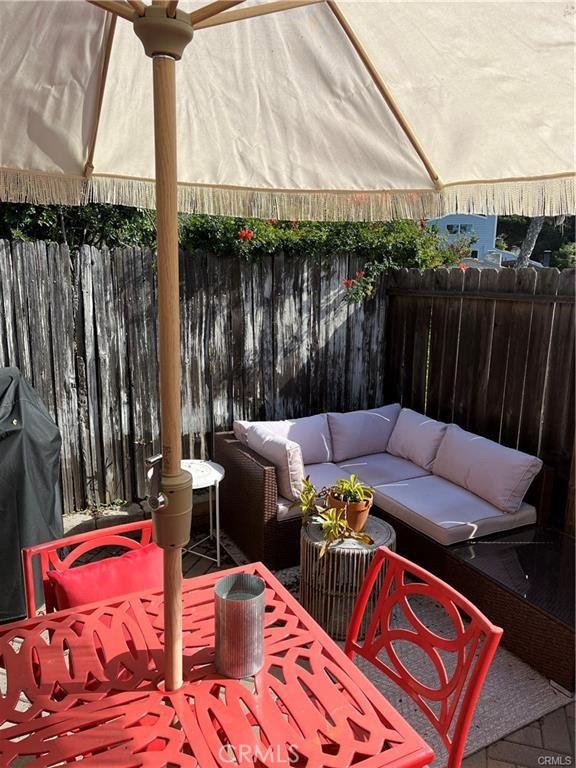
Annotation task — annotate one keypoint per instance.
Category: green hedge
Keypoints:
(379, 245)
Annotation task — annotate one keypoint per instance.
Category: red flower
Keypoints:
(462, 266)
(347, 282)
(360, 274)
(246, 234)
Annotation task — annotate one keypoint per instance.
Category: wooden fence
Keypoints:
(259, 341)
(492, 351)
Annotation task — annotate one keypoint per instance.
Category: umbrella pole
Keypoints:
(172, 521)
(164, 38)
(164, 68)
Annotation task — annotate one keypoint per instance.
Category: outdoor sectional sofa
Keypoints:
(436, 483)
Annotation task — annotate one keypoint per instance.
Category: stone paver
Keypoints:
(477, 760)
(531, 735)
(500, 764)
(548, 741)
(555, 732)
(521, 754)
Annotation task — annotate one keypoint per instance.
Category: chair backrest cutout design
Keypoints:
(452, 656)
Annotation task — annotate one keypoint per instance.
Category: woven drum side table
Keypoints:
(329, 585)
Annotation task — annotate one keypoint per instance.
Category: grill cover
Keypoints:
(30, 503)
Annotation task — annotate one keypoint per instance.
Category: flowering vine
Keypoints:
(377, 246)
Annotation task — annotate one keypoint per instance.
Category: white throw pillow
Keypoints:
(359, 433)
(284, 454)
(239, 428)
(310, 432)
(492, 471)
(416, 437)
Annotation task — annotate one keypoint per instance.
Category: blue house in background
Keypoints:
(458, 225)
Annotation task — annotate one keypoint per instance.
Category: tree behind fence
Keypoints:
(492, 351)
(259, 341)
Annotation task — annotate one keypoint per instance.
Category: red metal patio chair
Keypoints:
(61, 554)
(468, 648)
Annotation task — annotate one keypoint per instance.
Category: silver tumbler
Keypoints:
(239, 625)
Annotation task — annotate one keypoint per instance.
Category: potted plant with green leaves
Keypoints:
(335, 526)
(355, 498)
(308, 500)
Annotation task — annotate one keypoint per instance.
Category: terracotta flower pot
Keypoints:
(356, 511)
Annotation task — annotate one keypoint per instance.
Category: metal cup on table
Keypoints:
(239, 613)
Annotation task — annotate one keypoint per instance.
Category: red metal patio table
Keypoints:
(87, 684)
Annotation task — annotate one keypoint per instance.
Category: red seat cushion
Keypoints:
(137, 570)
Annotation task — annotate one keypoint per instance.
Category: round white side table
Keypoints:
(207, 474)
(329, 585)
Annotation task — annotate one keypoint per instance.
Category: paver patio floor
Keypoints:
(545, 742)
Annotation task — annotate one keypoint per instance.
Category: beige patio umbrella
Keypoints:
(314, 109)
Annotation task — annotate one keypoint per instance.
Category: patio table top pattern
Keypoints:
(87, 683)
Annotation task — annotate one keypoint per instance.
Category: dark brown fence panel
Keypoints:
(492, 351)
(271, 339)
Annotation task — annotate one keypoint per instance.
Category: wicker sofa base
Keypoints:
(249, 506)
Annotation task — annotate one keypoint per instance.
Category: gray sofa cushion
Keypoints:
(286, 511)
(284, 454)
(361, 432)
(323, 475)
(381, 468)
(498, 474)
(416, 438)
(310, 432)
(446, 512)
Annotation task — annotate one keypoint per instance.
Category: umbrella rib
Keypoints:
(210, 10)
(117, 7)
(138, 6)
(384, 92)
(253, 11)
(89, 167)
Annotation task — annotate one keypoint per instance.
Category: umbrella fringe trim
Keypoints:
(553, 196)
(37, 188)
(530, 197)
(533, 197)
